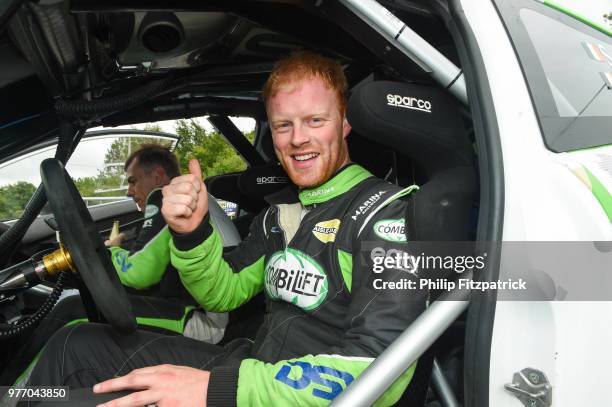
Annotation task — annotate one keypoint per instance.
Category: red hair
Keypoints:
(302, 65)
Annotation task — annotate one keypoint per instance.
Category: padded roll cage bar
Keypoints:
(442, 70)
(404, 351)
(428, 327)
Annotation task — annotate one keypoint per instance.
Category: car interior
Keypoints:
(73, 65)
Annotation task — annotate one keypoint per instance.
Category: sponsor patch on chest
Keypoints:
(297, 278)
(392, 230)
(326, 231)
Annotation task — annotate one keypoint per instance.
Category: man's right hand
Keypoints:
(185, 202)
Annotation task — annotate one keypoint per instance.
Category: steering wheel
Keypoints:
(90, 256)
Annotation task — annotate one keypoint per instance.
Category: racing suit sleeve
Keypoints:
(377, 315)
(220, 282)
(144, 264)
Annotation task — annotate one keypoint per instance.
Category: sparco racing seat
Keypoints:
(422, 125)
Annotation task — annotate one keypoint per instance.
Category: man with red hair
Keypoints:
(328, 313)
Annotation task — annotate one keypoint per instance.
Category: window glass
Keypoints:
(574, 63)
(97, 163)
(19, 178)
(568, 67)
(96, 167)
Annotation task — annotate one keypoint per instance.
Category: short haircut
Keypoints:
(150, 155)
(302, 65)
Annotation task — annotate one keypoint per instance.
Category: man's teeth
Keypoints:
(305, 156)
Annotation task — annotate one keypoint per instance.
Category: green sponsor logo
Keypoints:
(392, 230)
(297, 278)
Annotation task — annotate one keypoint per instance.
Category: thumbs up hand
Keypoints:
(185, 202)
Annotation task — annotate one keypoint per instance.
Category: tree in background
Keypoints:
(215, 154)
(86, 185)
(13, 198)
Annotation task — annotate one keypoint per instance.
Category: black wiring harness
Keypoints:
(11, 330)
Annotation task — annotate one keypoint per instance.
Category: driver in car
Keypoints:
(329, 314)
(145, 263)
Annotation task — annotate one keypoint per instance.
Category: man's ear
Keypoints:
(346, 128)
(161, 178)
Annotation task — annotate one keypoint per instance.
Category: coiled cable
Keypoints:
(11, 330)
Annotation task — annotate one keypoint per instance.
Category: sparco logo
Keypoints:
(367, 205)
(392, 230)
(409, 102)
(297, 278)
(271, 180)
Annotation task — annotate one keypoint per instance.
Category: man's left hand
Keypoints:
(164, 385)
(115, 241)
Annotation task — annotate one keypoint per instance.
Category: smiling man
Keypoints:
(325, 322)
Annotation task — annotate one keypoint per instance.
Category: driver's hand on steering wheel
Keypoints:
(185, 202)
(163, 385)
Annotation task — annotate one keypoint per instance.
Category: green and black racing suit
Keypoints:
(326, 320)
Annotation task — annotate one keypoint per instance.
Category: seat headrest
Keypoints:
(419, 121)
(259, 181)
(262, 180)
(225, 187)
(248, 188)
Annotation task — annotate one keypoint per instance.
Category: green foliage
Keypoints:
(152, 127)
(215, 155)
(86, 185)
(102, 185)
(13, 199)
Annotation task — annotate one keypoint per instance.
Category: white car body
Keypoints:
(544, 201)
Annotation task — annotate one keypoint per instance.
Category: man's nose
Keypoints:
(299, 136)
(130, 192)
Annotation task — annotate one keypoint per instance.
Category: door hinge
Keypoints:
(531, 387)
